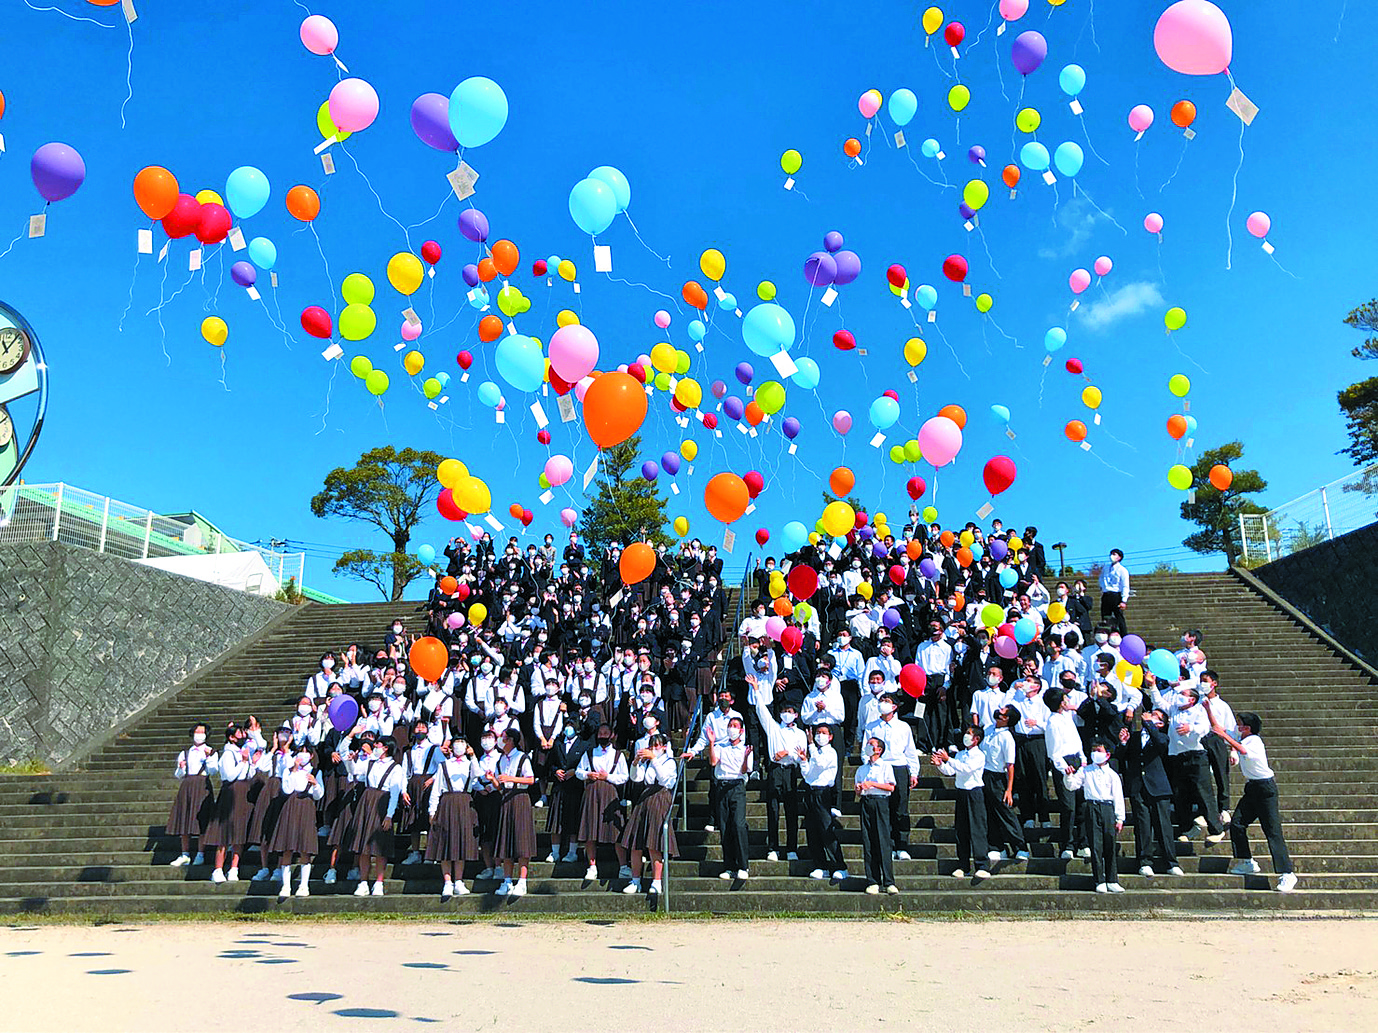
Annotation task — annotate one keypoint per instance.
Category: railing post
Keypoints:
(148, 532)
(104, 524)
(1325, 504)
(57, 510)
(1243, 539)
(1267, 541)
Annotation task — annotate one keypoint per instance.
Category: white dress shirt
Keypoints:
(820, 766)
(1253, 762)
(875, 771)
(607, 759)
(898, 738)
(998, 748)
(833, 711)
(1102, 785)
(197, 760)
(967, 767)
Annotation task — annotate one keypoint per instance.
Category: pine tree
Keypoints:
(624, 508)
(1216, 511)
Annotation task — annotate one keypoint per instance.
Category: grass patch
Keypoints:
(32, 766)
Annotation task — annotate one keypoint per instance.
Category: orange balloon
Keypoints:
(961, 601)
(956, 414)
(783, 607)
(489, 328)
(1011, 176)
(449, 585)
(1221, 477)
(614, 408)
(516, 510)
(155, 189)
(841, 481)
(852, 147)
(1183, 113)
(487, 269)
(1176, 426)
(693, 293)
(964, 557)
(429, 658)
(636, 563)
(303, 202)
(754, 413)
(726, 497)
(947, 538)
(2, 103)
(913, 550)
(505, 257)
(1075, 431)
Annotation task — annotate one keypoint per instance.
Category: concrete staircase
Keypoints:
(92, 842)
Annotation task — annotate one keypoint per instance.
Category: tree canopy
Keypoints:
(623, 509)
(1215, 511)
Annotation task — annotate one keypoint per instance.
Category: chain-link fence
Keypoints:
(74, 516)
(1318, 516)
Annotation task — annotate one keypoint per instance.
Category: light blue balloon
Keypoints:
(728, 302)
(246, 191)
(930, 148)
(552, 264)
(1164, 665)
(592, 205)
(621, 187)
(807, 375)
(1054, 339)
(444, 379)
(902, 106)
(1007, 580)
(1025, 629)
(1072, 79)
(1191, 426)
(768, 329)
(520, 362)
(489, 394)
(478, 111)
(885, 412)
(1000, 413)
(1034, 156)
(478, 298)
(976, 551)
(697, 330)
(1068, 158)
(426, 555)
(263, 253)
(793, 536)
(927, 296)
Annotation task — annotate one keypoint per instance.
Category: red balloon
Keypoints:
(955, 268)
(465, 359)
(1006, 629)
(762, 536)
(755, 483)
(637, 370)
(676, 405)
(912, 680)
(1074, 366)
(896, 275)
(560, 384)
(430, 251)
(316, 321)
(802, 581)
(954, 33)
(791, 639)
(527, 517)
(916, 488)
(897, 574)
(844, 340)
(891, 393)
(185, 214)
(710, 420)
(998, 474)
(214, 222)
(538, 267)
(861, 520)
(462, 592)
(445, 502)
(543, 436)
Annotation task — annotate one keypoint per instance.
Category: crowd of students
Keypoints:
(562, 705)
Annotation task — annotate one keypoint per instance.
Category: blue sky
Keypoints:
(696, 106)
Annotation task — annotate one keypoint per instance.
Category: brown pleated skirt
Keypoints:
(454, 831)
(294, 830)
(265, 812)
(337, 786)
(368, 835)
(193, 807)
(646, 824)
(516, 839)
(601, 815)
(230, 825)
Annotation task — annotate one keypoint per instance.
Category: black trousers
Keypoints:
(1110, 613)
(972, 843)
(1031, 777)
(1153, 837)
(822, 828)
(1218, 756)
(936, 719)
(1071, 815)
(782, 788)
(732, 823)
(1260, 800)
(1191, 782)
(851, 700)
(899, 809)
(755, 735)
(1003, 828)
(875, 840)
(1100, 821)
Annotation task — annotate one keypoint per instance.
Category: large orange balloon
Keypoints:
(1183, 113)
(726, 497)
(956, 414)
(695, 295)
(489, 328)
(636, 564)
(303, 202)
(155, 191)
(614, 407)
(1221, 477)
(487, 269)
(429, 658)
(1075, 431)
(1176, 426)
(841, 481)
(754, 413)
(448, 585)
(506, 257)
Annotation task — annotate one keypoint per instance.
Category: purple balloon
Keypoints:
(719, 389)
(866, 533)
(649, 470)
(732, 406)
(1029, 50)
(848, 267)
(977, 155)
(57, 171)
(343, 711)
(790, 426)
(470, 274)
(928, 569)
(430, 121)
(244, 274)
(745, 372)
(474, 225)
(998, 549)
(669, 462)
(890, 618)
(878, 550)
(966, 210)
(832, 240)
(1132, 649)
(820, 269)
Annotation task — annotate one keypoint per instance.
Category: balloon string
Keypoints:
(162, 332)
(989, 259)
(64, 14)
(161, 302)
(1082, 191)
(329, 279)
(386, 214)
(277, 322)
(443, 202)
(1097, 455)
(129, 303)
(1234, 196)
(330, 384)
(1000, 74)
(918, 168)
(16, 240)
(933, 50)
(1180, 158)
(663, 258)
(1284, 268)
(222, 368)
(990, 19)
(1087, 133)
(1341, 23)
(1091, 21)
(1002, 333)
(1136, 170)
(128, 73)
(952, 350)
(638, 283)
(1041, 382)
(1184, 355)
(1117, 441)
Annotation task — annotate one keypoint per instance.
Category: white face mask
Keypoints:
(735, 734)
(648, 723)
(822, 740)
(327, 664)
(1101, 637)
(787, 719)
(993, 680)
(1099, 756)
(588, 666)
(968, 740)
(375, 705)
(396, 628)
(199, 738)
(877, 688)
(1061, 593)
(647, 698)
(303, 759)
(551, 691)
(487, 742)
(303, 710)
(887, 708)
(500, 709)
(486, 667)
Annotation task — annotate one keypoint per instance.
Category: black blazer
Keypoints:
(1146, 764)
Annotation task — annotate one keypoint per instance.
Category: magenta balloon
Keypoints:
(775, 627)
(568, 517)
(820, 269)
(57, 171)
(1079, 280)
(573, 352)
(1103, 265)
(430, 121)
(842, 421)
(1028, 51)
(474, 225)
(848, 267)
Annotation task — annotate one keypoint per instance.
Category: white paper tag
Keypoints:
(430, 271)
(1189, 133)
(328, 164)
(602, 258)
(432, 406)
(968, 226)
(1000, 29)
(38, 225)
(932, 317)
(793, 448)
(411, 317)
(591, 472)
(162, 253)
(899, 139)
(462, 181)
(492, 522)
(741, 427)
(328, 142)
(751, 433)
(788, 662)
(966, 290)
(1076, 107)
(443, 399)
(1242, 106)
(464, 377)
(1139, 136)
(546, 496)
(194, 260)
(783, 364)
(861, 352)
(499, 416)
(252, 292)
(835, 550)
(674, 488)
(941, 155)
(719, 293)
(729, 540)
(1086, 446)
(985, 511)
(145, 242)
(868, 128)
(130, 15)
(333, 352)
(1096, 419)
(1009, 433)
(789, 183)
(539, 413)
(576, 286)
(399, 346)
(1047, 360)
(751, 508)
(1191, 497)
(236, 239)
(1267, 248)
(717, 433)
(273, 279)
(1186, 405)
(1076, 304)
(512, 328)
(878, 440)
(2, 143)
(829, 296)
(905, 303)
(1014, 194)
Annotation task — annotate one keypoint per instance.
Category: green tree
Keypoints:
(1365, 319)
(1215, 511)
(623, 509)
(389, 489)
(1359, 401)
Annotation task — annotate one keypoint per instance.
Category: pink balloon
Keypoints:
(940, 439)
(319, 35)
(1153, 222)
(1259, 224)
(410, 331)
(1006, 647)
(573, 352)
(662, 319)
(558, 469)
(1013, 10)
(1140, 117)
(775, 627)
(353, 105)
(1193, 37)
(1079, 280)
(1103, 265)
(868, 103)
(581, 388)
(454, 620)
(568, 517)
(842, 421)
(645, 360)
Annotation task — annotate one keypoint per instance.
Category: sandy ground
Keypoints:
(1151, 975)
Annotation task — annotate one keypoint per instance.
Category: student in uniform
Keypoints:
(547, 723)
(228, 830)
(603, 772)
(380, 774)
(453, 837)
(903, 759)
(968, 768)
(486, 801)
(1030, 751)
(1260, 800)
(1065, 755)
(786, 748)
(1150, 795)
(566, 794)
(420, 764)
(345, 753)
(649, 818)
(875, 781)
(731, 760)
(318, 685)
(516, 838)
(194, 804)
(819, 774)
(270, 766)
(997, 746)
(294, 830)
(1104, 813)
(714, 727)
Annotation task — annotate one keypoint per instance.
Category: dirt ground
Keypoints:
(728, 975)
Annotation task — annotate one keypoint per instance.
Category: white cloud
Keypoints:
(1078, 218)
(1121, 303)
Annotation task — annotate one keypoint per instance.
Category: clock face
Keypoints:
(14, 348)
(6, 427)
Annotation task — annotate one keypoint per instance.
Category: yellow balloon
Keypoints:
(838, 518)
(1179, 477)
(681, 526)
(405, 272)
(976, 194)
(932, 20)
(214, 330)
(765, 290)
(865, 590)
(1057, 613)
(958, 97)
(1090, 396)
(879, 520)
(689, 450)
(472, 495)
(1130, 674)
(357, 289)
(478, 613)
(1015, 543)
(713, 264)
(566, 271)
(209, 197)
(688, 394)
(915, 351)
(776, 588)
(450, 472)
(566, 318)
(663, 357)
(327, 125)
(984, 302)
(1028, 120)
(966, 538)
(814, 537)
(1179, 385)
(413, 362)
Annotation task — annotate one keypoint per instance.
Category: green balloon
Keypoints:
(1179, 477)
(357, 289)
(376, 382)
(803, 612)
(992, 616)
(682, 361)
(1028, 120)
(357, 322)
(431, 388)
(929, 514)
(1175, 318)
(896, 453)
(662, 381)
(543, 481)
(360, 366)
(912, 452)
(770, 396)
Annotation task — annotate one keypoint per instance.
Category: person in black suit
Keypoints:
(1150, 795)
(1038, 560)
(567, 792)
(1079, 609)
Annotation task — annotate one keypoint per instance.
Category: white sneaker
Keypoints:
(892, 888)
(959, 874)
(461, 890)
(1066, 855)
(505, 888)
(818, 873)
(624, 872)
(655, 888)
(1102, 888)
(447, 891)
(841, 876)
(551, 858)
(743, 874)
(412, 858)
(1224, 817)
(632, 887)
(710, 828)
(304, 890)
(592, 874)
(285, 891)
(262, 874)
(981, 873)
(1219, 837)
(1200, 820)
(329, 879)
(361, 890)
(995, 856)
(518, 888)
(232, 875)
(902, 855)
(1023, 855)
(378, 888)
(726, 876)
(1146, 871)
(1115, 887)
(540, 802)
(217, 876)
(772, 856)
(793, 855)
(572, 854)
(181, 861)
(1174, 870)
(1246, 867)
(835, 812)
(873, 889)
(1084, 853)
(199, 860)
(1287, 882)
